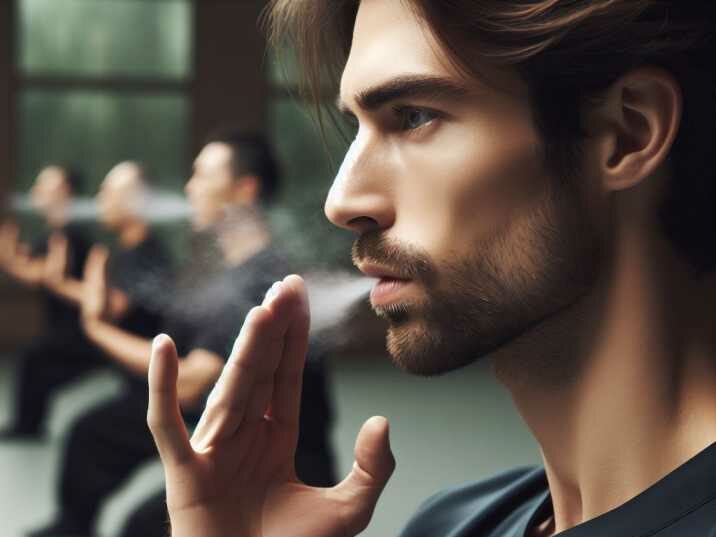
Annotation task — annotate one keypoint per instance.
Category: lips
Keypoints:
(389, 286)
(382, 273)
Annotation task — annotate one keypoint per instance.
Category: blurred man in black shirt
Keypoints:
(62, 353)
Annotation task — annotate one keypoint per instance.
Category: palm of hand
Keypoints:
(236, 476)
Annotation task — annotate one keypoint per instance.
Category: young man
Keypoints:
(235, 175)
(62, 353)
(530, 181)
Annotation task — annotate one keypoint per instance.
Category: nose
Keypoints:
(189, 186)
(360, 198)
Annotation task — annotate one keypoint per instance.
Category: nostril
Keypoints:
(363, 223)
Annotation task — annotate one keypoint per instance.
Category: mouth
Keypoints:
(388, 288)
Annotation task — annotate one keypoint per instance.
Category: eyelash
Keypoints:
(401, 115)
(402, 112)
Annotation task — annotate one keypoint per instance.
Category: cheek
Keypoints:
(469, 183)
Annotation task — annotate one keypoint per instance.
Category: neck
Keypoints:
(133, 233)
(623, 387)
(242, 238)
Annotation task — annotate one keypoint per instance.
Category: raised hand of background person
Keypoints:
(16, 259)
(9, 241)
(235, 477)
(94, 286)
(55, 267)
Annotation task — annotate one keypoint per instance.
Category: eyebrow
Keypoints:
(410, 86)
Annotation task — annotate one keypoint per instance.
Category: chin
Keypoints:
(418, 348)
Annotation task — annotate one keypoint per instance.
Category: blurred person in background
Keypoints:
(61, 353)
(532, 182)
(235, 176)
(137, 265)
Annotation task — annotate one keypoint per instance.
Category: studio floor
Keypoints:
(444, 431)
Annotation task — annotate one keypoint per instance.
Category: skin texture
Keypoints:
(595, 325)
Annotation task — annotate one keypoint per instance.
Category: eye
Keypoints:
(413, 118)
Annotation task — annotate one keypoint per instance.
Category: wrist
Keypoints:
(89, 322)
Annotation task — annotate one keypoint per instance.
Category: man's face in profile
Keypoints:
(121, 195)
(51, 191)
(473, 240)
(209, 190)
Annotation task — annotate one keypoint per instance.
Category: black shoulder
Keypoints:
(465, 506)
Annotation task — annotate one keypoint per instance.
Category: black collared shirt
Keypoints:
(682, 504)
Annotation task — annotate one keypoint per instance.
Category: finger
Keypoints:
(163, 414)
(288, 380)
(228, 400)
(282, 301)
(373, 466)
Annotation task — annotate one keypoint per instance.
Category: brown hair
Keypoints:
(567, 51)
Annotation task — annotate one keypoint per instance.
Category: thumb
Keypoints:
(373, 466)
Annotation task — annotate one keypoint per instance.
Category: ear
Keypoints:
(633, 128)
(247, 189)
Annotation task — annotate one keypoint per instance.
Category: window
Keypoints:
(102, 81)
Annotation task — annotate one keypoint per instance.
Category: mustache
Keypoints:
(409, 261)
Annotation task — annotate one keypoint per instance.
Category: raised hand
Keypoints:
(94, 292)
(55, 267)
(235, 477)
(9, 241)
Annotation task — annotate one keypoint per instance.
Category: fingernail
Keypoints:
(158, 340)
(272, 293)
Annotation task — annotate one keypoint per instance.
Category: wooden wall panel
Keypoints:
(230, 85)
(7, 90)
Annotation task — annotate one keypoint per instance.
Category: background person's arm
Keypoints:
(15, 258)
(197, 372)
(57, 279)
(55, 276)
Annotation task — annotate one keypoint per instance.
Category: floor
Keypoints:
(444, 431)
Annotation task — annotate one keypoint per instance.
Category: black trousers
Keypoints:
(50, 362)
(104, 447)
(314, 467)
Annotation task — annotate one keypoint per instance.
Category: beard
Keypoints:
(537, 265)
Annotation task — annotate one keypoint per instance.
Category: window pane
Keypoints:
(106, 37)
(94, 130)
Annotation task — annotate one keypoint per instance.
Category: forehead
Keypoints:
(51, 177)
(390, 41)
(122, 176)
(214, 154)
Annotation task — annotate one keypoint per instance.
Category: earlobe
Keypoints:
(638, 121)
